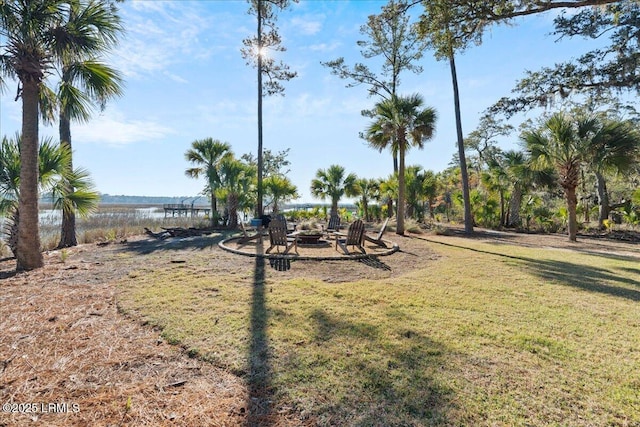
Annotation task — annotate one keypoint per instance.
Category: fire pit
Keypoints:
(309, 238)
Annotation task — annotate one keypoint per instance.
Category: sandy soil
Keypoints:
(67, 352)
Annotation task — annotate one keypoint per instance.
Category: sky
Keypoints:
(186, 80)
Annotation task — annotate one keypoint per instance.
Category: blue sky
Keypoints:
(186, 80)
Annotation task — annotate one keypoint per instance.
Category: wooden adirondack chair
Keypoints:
(246, 237)
(278, 237)
(334, 223)
(378, 239)
(289, 226)
(332, 227)
(354, 237)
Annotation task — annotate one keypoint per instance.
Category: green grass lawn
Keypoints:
(484, 335)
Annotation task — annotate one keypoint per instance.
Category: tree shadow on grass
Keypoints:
(260, 383)
(592, 279)
(149, 246)
(588, 278)
(390, 375)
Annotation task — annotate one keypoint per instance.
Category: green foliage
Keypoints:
(400, 123)
(207, 155)
(267, 39)
(601, 73)
(390, 36)
(71, 190)
(332, 183)
(280, 189)
(486, 209)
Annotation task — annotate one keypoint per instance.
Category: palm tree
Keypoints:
(430, 188)
(367, 189)
(388, 192)
(37, 34)
(236, 181)
(281, 189)
(613, 146)
(414, 181)
(83, 83)
(495, 180)
(411, 125)
(54, 175)
(208, 154)
(333, 184)
(559, 144)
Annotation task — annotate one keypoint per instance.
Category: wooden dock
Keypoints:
(180, 209)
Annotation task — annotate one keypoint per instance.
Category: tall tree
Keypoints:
(85, 83)
(391, 36)
(403, 120)
(482, 140)
(37, 34)
(436, 26)
(256, 52)
(208, 155)
(333, 183)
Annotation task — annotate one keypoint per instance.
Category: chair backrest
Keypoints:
(334, 222)
(383, 229)
(280, 217)
(278, 233)
(355, 234)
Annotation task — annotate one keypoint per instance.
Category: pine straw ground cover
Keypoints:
(63, 342)
(500, 329)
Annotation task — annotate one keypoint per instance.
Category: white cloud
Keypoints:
(115, 129)
(175, 78)
(307, 26)
(162, 35)
(325, 47)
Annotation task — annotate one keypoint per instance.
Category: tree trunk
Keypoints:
(259, 207)
(68, 228)
(502, 213)
(572, 203)
(431, 214)
(514, 207)
(603, 198)
(213, 218)
(11, 230)
(468, 219)
(29, 256)
(394, 153)
(402, 143)
(232, 202)
(334, 207)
